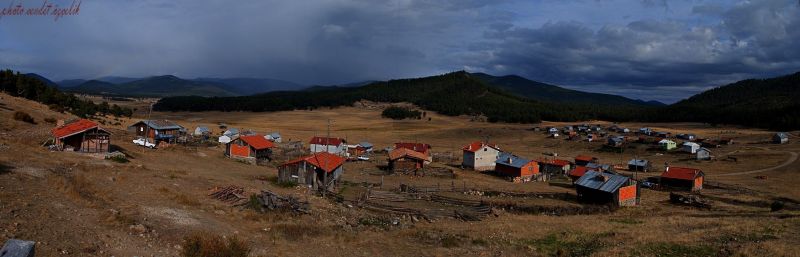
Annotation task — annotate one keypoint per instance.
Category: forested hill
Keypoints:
(458, 93)
(551, 93)
(767, 103)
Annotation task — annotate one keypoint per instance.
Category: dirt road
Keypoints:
(792, 159)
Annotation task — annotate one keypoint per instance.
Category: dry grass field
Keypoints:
(81, 205)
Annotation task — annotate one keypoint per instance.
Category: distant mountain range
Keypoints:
(168, 85)
(550, 93)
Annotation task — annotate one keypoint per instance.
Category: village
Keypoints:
(399, 181)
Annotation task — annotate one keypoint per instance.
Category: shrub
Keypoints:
(50, 120)
(23, 116)
(204, 245)
(399, 113)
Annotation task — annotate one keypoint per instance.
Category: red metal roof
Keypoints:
(73, 128)
(257, 141)
(419, 147)
(325, 140)
(405, 152)
(584, 158)
(556, 162)
(324, 160)
(578, 171)
(477, 145)
(681, 173)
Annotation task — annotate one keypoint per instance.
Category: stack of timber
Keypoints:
(232, 194)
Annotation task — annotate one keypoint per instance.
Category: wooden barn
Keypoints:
(158, 130)
(82, 136)
(480, 156)
(406, 160)
(319, 170)
(516, 168)
(554, 167)
(254, 147)
(419, 147)
(583, 160)
(683, 178)
(607, 188)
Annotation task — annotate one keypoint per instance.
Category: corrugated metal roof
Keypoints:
(605, 182)
(161, 124)
(515, 161)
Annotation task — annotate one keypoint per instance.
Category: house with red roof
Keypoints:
(81, 136)
(583, 160)
(577, 172)
(554, 167)
(419, 147)
(318, 170)
(332, 145)
(406, 160)
(254, 147)
(480, 156)
(683, 178)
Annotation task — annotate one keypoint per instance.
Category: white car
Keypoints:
(143, 142)
(363, 158)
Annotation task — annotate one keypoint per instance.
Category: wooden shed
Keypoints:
(82, 136)
(319, 170)
(406, 160)
(683, 178)
(249, 147)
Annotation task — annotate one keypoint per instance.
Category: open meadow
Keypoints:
(82, 205)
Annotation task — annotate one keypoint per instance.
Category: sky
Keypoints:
(644, 49)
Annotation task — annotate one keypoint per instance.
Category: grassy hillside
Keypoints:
(157, 86)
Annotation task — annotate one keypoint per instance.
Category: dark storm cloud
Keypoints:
(652, 49)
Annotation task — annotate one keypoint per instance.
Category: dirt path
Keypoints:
(788, 162)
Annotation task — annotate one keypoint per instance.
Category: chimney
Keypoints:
(60, 123)
(510, 159)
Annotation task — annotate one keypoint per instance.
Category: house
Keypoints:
(690, 147)
(645, 131)
(703, 154)
(690, 137)
(554, 167)
(81, 136)
(616, 141)
(582, 160)
(480, 156)
(158, 130)
(600, 167)
(419, 147)
(274, 137)
(332, 145)
(568, 129)
(318, 170)
(406, 160)
(639, 165)
(683, 178)
(625, 130)
(201, 131)
(666, 144)
(780, 138)
(249, 148)
(552, 130)
(516, 168)
(607, 188)
(354, 151)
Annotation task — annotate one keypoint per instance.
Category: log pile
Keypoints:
(231, 194)
(269, 201)
(688, 199)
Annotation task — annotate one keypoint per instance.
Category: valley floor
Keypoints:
(82, 205)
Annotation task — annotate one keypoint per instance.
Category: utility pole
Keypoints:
(325, 172)
(147, 130)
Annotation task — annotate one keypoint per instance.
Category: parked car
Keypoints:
(143, 142)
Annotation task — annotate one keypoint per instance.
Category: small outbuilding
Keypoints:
(274, 137)
(554, 167)
(480, 156)
(516, 168)
(202, 131)
(780, 138)
(616, 141)
(419, 147)
(639, 165)
(703, 154)
(683, 178)
(577, 172)
(318, 170)
(82, 136)
(250, 147)
(607, 188)
(690, 147)
(406, 160)
(666, 144)
(583, 160)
